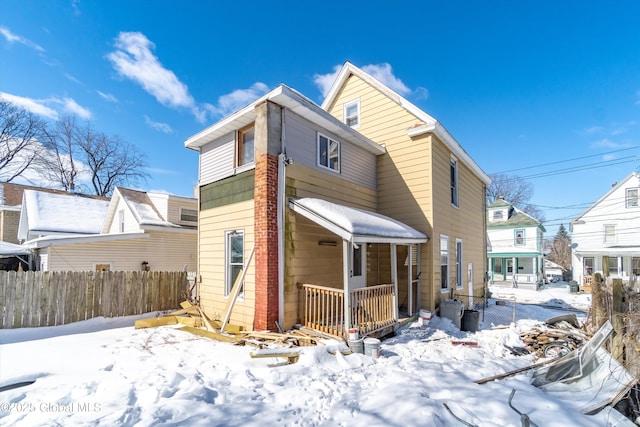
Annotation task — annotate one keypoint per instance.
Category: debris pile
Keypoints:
(557, 337)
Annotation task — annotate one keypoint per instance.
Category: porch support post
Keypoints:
(419, 274)
(410, 279)
(346, 251)
(394, 279)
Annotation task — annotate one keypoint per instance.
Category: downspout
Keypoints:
(282, 182)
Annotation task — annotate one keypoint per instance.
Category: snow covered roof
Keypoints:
(49, 213)
(11, 249)
(142, 207)
(356, 224)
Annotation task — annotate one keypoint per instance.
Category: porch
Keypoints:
(371, 310)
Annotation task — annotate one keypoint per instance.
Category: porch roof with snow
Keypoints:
(357, 225)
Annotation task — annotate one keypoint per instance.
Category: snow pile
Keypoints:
(165, 376)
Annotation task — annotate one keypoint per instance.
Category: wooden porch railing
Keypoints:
(323, 309)
(371, 309)
(587, 282)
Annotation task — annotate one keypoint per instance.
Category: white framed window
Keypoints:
(635, 266)
(519, 237)
(458, 263)
(328, 153)
(444, 262)
(497, 215)
(633, 198)
(234, 259)
(453, 169)
(188, 215)
(609, 233)
(246, 145)
(615, 266)
(352, 113)
(357, 259)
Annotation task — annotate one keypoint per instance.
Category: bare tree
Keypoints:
(21, 134)
(514, 190)
(80, 153)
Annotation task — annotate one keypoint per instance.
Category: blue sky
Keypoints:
(520, 84)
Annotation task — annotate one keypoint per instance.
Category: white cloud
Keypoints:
(382, 72)
(239, 98)
(325, 81)
(134, 59)
(594, 129)
(33, 105)
(14, 38)
(607, 143)
(73, 79)
(107, 96)
(608, 157)
(71, 106)
(162, 127)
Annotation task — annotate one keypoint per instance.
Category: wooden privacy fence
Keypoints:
(37, 298)
(371, 309)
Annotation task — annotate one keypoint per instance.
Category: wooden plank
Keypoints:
(193, 309)
(154, 322)
(18, 306)
(235, 290)
(214, 335)
(28, 308)
(3, 297)
(11, 299)
(68, 296)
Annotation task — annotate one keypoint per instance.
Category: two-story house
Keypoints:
(348, 225)
(515, 254)
(606, 236)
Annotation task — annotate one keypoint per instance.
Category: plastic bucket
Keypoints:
(372, 347)
(452, 309)
(353, 334)
(356, 346)
(424, 317)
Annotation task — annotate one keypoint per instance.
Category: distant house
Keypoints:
(134, 230)
(553, 272)
(515, 254)
(606, 236)
(358, 211)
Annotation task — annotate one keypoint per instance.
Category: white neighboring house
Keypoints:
(515, 247)
(135, 230)
(606, 236)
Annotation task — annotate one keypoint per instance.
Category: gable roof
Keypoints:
(515, 218)
(611, 190)
(294, 101)
(140, 206)
(428, 123)
(54, 213)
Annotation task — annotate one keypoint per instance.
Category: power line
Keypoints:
(567, 160)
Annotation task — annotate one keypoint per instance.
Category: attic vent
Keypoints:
(189, 215)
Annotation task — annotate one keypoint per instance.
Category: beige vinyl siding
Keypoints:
(163, 251)
(213, 225)
(356, 164)
(305, 260)
(414, 187)
(217, 159)
(174, 208)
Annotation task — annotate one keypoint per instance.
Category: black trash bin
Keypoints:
(573, 286)
(470, 320)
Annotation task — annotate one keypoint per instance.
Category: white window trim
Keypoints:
(120, 222)
(448, 285)
(454, 162)
(346, 106)
(326, 167)
(459, 281)
(615, 233)
(515, 237)
(227, 266)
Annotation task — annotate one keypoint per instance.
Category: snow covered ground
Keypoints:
(103, 372)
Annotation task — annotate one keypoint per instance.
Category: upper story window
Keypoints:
(610, 233)
(352, 113)
(497, 215)
(121, 220)
(519, 237)
(633, 197)
(454, 181)
(328, 153)
(188, 215)
(246, 144)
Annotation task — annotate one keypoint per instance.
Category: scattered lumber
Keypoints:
(291, 355)
(465, 343)
(557, 336)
